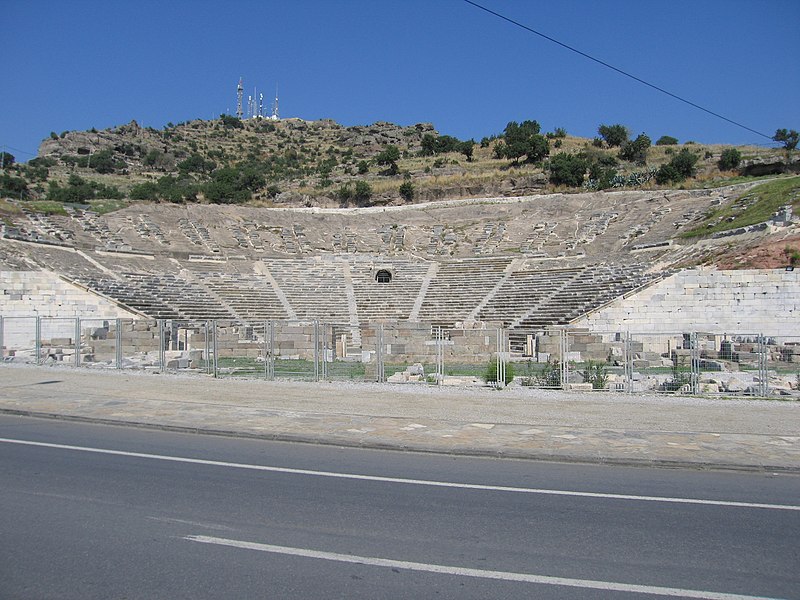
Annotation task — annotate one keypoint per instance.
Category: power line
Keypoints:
(18, 150)
(613, 68)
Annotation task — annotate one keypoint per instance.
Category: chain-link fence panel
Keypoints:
(596, 360)
(541, 364)
(660, 362)
(20, 339)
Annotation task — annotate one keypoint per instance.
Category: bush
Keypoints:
(231, 122)
(491, 372)
(596, 373)
(360, 193)
(407, 191)
(666, 140)
(678, 169)
(729, 160)
(614, 135)
(567, 169)
(635, 151)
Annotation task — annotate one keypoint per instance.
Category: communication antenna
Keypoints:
(260, 105)
(239, 92)
(275, 116)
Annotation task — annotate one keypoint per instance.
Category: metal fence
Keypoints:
(699, 363)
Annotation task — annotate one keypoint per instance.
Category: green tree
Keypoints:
(679, 168)
(666, 140)
(407, 191)
(729, 159)
(144, 191)
(6, 159)
(467, 149)
(567, 169)
(13, 187)
(636, 150)
(360, 193)
(230, 122)
(363, 167)
(788, 138)
(523, 139)
(196, 164)
(388, 158)
(428, 145)
(614, 135)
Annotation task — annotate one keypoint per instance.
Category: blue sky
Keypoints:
(85, 63)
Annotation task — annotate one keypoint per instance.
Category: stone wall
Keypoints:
(45, 294)
(705, 299)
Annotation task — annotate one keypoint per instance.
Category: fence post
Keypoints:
(77, 342)
(214, 345)
(500, 358)
(161, 354)
(628, 358)
(118, 344)
(2, 344)
(763, 371)
(271, 371)
(316, 350)
(564, 349)
(37, 347)
(439, 356)
(380, 374)
(694, 358)
(325, 351)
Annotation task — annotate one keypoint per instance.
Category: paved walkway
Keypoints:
(515, 422)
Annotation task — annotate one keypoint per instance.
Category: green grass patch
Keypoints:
(105, 206)
(46, 207)
(756, 206)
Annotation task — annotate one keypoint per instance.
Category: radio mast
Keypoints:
(239, 92)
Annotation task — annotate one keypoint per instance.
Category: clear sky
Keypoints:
(80, 64)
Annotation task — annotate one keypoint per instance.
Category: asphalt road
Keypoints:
(169, 515)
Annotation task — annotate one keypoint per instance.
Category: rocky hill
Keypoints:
(293, 162)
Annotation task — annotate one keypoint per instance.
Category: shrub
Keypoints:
(729, 160)
(666, 140)
(678, 169)
(614, 135)
(523, 139)
(360, 193)
(491, 372)
(567, 169)
(230, 122)
(635, 151)
(407, 191)
(596, 373)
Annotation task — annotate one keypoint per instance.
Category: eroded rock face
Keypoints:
(769, 166)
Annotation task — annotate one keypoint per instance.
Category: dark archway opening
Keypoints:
(383, 276)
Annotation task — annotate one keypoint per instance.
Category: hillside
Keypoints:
(293, 162)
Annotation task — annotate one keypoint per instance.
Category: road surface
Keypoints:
(92, 511)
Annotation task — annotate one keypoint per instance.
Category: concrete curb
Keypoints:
(421, 448)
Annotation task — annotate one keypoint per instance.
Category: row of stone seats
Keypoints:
(315, 289)
(190, 300)
(587, 290)
(459, 287)
(524, 289)
(133, 296)
(392, 300)
(250, 296)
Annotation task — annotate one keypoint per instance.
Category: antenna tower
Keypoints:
(275, 116)
(239, 92)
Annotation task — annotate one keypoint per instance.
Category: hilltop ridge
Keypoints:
(293, 162)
